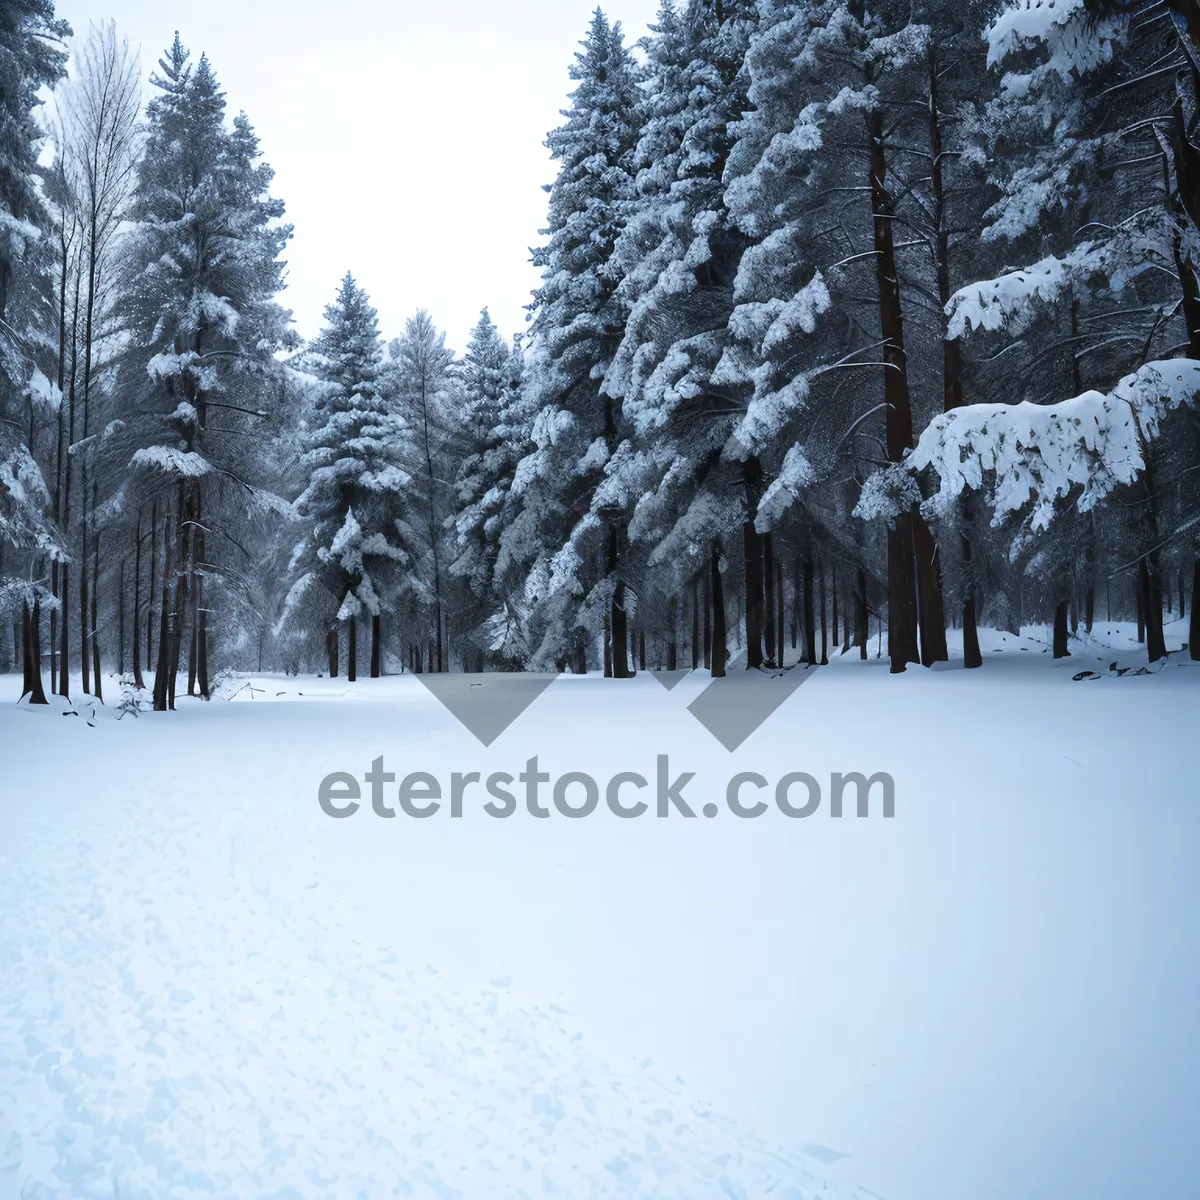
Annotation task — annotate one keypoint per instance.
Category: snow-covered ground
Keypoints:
(210, 988)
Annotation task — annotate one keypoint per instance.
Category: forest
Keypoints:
(857, 322)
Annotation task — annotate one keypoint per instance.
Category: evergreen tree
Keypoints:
(355, 494)
(568, 553)
(31, 57)
(200, 376)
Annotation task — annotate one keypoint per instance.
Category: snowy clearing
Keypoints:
(209, 988)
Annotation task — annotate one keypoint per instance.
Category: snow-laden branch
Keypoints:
(1036, 457)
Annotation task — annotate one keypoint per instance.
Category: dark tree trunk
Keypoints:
(376, 646)
(352, 652)
(1194, 625)
(641, 649)
(753, 561)
(706, 589)
(902, 581)
(164, 630)
(199, 611)
(121, 619)
(138, 681)
(696, 653)
(824, 634)
(779, 613)
(672, 643)
(192, 652)
(931, 614)
(26, 651)
(795, 602)
(768, 569)
(1151, 591)
(861, 619)
(1089, 607)
(619, 622)
(85, 648)
(95, 616)
(64, 646)
(902, 606)
(833, 596)
(54, 626)
(810, 628)
(153, 572)
(331, 651)
(1141, 608)
(38, 695)
(719, 651)
(1060, 631)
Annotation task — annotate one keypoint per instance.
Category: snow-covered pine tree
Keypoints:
(568, 554)
(679, 255)
(197, 382)
(421, 386)
(31, 57)
(355, 497)
(1092, 196)
(487, 456)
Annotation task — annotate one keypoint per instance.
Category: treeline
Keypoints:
(856, 321)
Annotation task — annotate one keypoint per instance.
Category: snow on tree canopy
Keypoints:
(1045, 453)
(184, 464)
(1075, 44)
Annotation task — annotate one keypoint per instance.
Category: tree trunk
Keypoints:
(376, 646)
(164, 631)
(331, 651)
(54, 628)
(641, 649)
(672, 643)
(833, 596)
(1141, 609)
(696, 623)
(138, 681)
(902, 582)
(38, 695)
(153, 572)
(121, 620)
(718, 652)
(768, 569)
(1194, 625)
(753, 558)
(824, 634)
(1151, 590)
(810, 628)
(706, 587)
(95, 616)
(779, 613)
(352, 651)
(64, 645)
(85, 648)
(931, 614)
(192, 652)
(861, 617)
(795, 601)
(26, 651)
(619, 625)
(199, 612)
(1060, 631)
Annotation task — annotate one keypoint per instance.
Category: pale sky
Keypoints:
(406, 137)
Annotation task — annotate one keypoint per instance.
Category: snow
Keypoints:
(211, 989)
(1082, 448)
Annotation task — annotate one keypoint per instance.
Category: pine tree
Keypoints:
(202, 270)
(355, 494)
(570, 554)
(31, 57)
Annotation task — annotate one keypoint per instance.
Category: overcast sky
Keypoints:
(406, 137)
